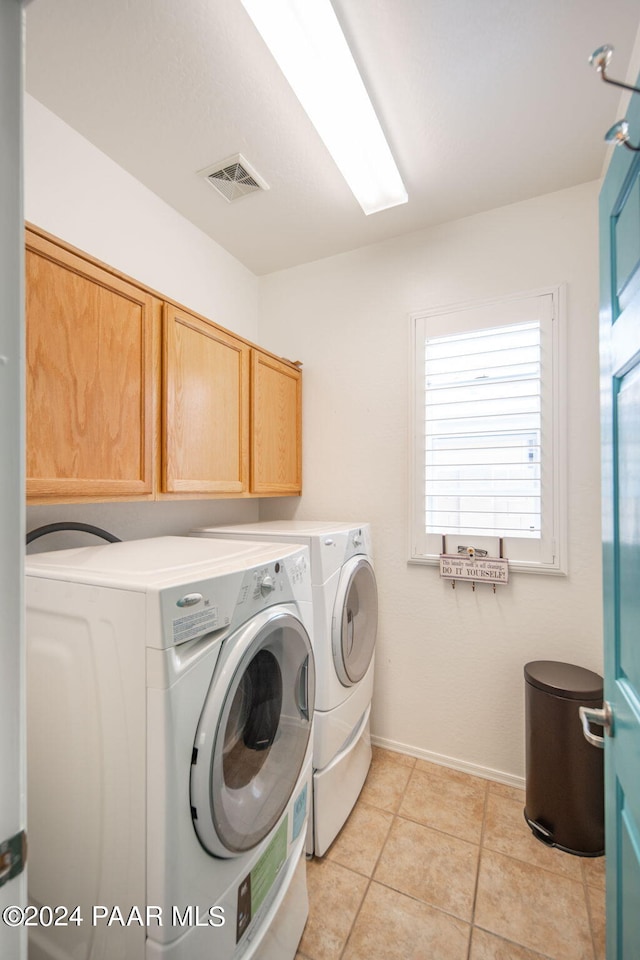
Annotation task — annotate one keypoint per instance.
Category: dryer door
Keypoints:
(355, 620)
(253, 733)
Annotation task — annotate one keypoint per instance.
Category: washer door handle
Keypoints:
(350, 632)
(303, 689)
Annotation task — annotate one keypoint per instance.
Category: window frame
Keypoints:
(553, 389)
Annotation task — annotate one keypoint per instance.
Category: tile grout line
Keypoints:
(477, 883)
(370, 879)
(444, 833)
(400, 816)
(518, 946)
(426, 903)
(355, 917)
(537, 866)
(397, 816)
(585, 885)
(367, 888)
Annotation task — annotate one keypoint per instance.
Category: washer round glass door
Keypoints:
(355, 620)
(253, 733)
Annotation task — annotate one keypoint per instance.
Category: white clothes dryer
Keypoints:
(345, 617)
(170, 708)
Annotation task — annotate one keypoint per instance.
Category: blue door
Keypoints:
(620, 389)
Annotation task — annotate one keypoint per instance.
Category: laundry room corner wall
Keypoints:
(449, 668)
(77, 193)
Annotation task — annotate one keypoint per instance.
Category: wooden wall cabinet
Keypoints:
(130, 397)
(205, 384)
(276, 426)
(90, 379)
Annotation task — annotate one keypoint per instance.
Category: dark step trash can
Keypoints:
(564, 803)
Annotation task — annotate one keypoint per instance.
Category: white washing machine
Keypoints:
(170, 707)
(345, 621)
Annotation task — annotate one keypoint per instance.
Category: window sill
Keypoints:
(515, 566)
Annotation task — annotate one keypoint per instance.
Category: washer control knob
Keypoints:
(267, 586)
(357, 540)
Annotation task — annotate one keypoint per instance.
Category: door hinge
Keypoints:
(13, 857)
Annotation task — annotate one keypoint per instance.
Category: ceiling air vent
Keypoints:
(234, 178)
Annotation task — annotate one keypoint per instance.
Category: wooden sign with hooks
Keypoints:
(474, 566)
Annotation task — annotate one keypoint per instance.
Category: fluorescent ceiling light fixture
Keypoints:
(309, 46)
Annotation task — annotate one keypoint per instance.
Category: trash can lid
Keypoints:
(564, 679)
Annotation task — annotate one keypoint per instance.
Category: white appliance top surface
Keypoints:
(154, 562)
(302, 528)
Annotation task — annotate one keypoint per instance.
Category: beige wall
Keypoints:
(77, 193)
(450, 663)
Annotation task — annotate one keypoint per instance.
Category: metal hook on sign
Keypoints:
(599, 59)
(618, 134)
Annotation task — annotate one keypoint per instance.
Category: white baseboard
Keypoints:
(487, 773)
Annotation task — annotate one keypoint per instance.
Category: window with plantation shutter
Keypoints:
(487, 416)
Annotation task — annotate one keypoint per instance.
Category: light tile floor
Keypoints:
(439, 865)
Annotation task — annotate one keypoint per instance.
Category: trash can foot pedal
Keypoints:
(540, 832)
(545, 836)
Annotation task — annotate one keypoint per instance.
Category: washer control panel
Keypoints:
(225, 602)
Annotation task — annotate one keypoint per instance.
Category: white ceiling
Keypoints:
(484, 103)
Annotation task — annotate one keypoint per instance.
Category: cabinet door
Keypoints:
(206, 407)
(90, 379)
(276, 426)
